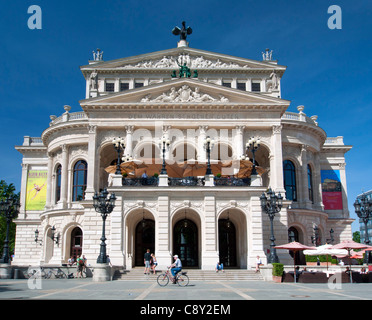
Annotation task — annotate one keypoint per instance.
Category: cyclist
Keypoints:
(176, 267)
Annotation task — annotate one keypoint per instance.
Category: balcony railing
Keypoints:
(187, 182)
(232, 181)
(137, 182)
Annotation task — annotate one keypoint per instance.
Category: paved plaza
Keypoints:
(86, 289)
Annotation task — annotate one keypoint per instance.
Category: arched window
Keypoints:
(310, 183)
(290, 180)
(80, 180)
(58, 183)
(76, 247)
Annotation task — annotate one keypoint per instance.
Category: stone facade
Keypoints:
(230, 99)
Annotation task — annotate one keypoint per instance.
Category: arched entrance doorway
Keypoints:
(144, 239)
(227, 242)
(185, 242)
(294, 235)
(76, 246)
(233, 238)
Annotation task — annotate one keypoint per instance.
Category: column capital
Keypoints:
(129, 129)
(203, 128)
(277, 129)
(240, 128)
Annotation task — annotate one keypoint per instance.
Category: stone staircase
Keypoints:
(136, 274)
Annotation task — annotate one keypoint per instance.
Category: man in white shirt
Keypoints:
(176, 266)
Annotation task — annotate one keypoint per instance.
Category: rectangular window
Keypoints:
(124, 86)
(256, 86)
(138, 84)
(110, 87)
(226, 84)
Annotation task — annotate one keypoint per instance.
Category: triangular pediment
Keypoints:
(183, 91)
(172, 58)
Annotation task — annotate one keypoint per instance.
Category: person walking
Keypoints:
(154, 262)
(80, 266)
(147, 259)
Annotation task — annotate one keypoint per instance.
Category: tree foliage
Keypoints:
(7, 191)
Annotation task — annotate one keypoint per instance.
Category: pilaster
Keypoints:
(92, 176)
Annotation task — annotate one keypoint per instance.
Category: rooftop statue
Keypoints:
(268, 55)
(97, 56)
(183, 33)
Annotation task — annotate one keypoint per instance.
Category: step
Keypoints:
(194, 274)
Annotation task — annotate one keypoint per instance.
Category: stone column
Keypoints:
(317, 184)
(239, 145)
(49, 182)
(115, 241)
(303, 181)
(255, 232)
(129, 141)
(202, 156)
(345, 207)
(163, 230)
(64, 176)
(276, 160)
(209, 234)
(22, 211)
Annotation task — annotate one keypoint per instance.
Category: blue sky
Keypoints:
(328, 70)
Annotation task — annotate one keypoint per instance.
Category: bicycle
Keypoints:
(181, 278)
(37, 272)
(60, 274)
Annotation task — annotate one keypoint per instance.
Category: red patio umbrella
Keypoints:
(295, 246)
(349, 245)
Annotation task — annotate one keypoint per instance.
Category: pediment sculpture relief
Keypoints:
(191, 62)
(184, 94)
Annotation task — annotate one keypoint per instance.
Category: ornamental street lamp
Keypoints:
(271, 204)
(55, 237)
(104, 206)
(363, 208)
(315, 239)
(9, 209)
(209, 143)
(332, 239)
(163, 144)
(119, 145)
(252, 145)
(37, 240)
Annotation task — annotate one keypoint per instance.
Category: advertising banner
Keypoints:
(36, 190)
(331, 189)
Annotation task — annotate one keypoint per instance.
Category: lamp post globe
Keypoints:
(164, 143)
(252, 145)
(208, 143)
(119, 145)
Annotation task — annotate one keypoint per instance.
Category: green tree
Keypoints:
(7, 191)
(356, 236)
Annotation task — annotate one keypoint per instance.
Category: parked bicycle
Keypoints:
(59, 274)
(36, 272)
(181, 278)
(40, 272)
